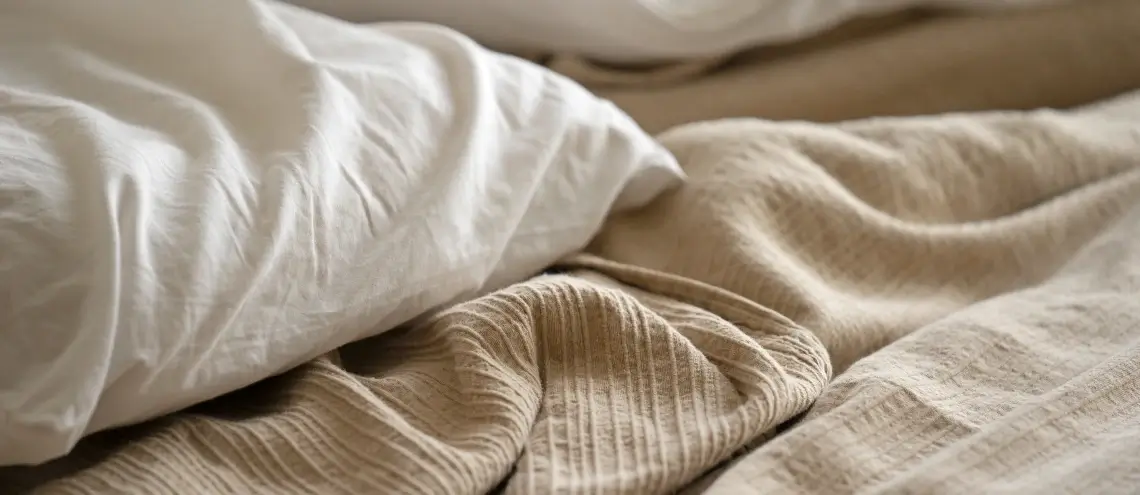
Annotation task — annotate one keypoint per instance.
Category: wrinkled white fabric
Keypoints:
(197, 195)
(637, 30)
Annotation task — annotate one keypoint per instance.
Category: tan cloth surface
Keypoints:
(1037, 391)
(906, 64)
(1033, 391)
(919, 237)
(699, 325)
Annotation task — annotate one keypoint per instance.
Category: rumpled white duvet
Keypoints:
(195, 195)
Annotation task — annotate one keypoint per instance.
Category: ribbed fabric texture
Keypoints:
(568, 383)
(694, 328)
(1037, 391)
(997, 255)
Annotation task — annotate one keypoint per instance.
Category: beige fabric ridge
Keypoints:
(698, 326)
(1036, 391)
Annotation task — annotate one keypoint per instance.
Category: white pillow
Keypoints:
(197, 195)
(635, 30)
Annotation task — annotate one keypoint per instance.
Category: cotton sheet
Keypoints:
(195, 196)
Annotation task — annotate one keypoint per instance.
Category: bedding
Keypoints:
(1032, 391)
(947, 283)
(903, 64)
(639, 31)
(198, 195)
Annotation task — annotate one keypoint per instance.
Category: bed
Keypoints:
(908, 63)
(925, 283)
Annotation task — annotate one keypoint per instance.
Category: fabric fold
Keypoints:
(1035, 391)
(707, 322)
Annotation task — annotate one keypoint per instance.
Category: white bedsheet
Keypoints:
(197, 195)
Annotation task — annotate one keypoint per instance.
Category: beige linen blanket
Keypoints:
(906, 64)
(996, 255)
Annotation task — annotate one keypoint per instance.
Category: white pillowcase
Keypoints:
(635, 30)
(197, 195)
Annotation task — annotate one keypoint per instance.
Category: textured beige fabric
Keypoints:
(698, 326)
(905, 64)
(904, 239)
(1033, 391)
(1037, 391)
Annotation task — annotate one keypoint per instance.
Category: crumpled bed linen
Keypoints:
(946, 283)
(196, 195)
